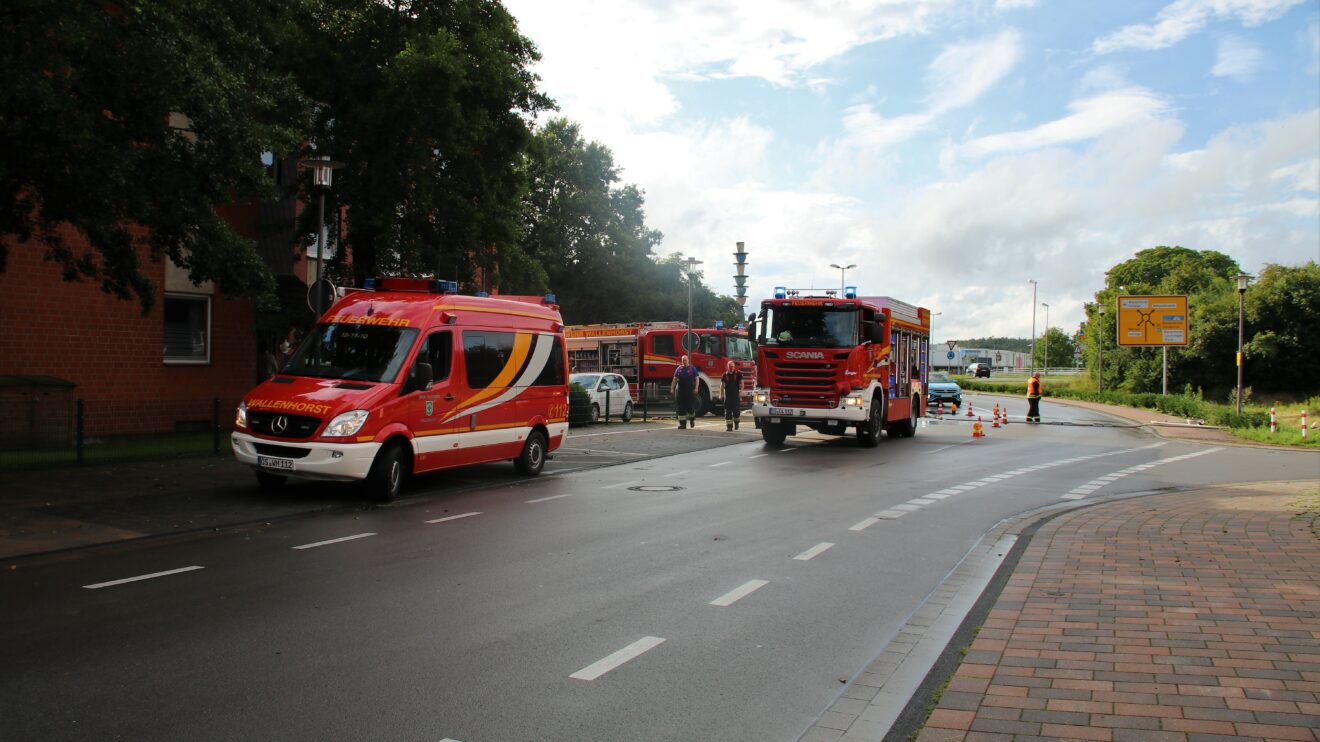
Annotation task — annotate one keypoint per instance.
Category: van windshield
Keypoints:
(350, 351)
(738, 348)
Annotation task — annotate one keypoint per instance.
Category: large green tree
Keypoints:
(126, 123)
(1056, 348)
(430, 103)
(1282, 316)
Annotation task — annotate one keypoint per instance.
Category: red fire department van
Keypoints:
(646, 354)
(831, 363)
(406, 376)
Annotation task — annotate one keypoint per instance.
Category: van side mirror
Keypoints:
(421, 377)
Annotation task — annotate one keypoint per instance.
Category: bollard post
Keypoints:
(1273, 422)
(215, 425)
(1303, 424)
(646, 400)
(78, 439)
(607, 406)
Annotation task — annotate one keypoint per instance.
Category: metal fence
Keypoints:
(49, 432)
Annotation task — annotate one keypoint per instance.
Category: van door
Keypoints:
(428, 408)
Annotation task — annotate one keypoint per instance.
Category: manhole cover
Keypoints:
(655, 488)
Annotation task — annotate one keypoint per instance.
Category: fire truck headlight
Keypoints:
(346, 424)
(851, 402)
(760, 396)
(240, 417)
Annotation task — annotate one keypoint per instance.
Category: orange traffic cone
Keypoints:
(977, 432)
(995, 416)
(1005, 416)
(969, 410)
(939, 408)
(995, 419)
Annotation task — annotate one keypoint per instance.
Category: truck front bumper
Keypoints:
(808, 415)
(329, 461)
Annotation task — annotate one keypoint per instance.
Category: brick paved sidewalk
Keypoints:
(1191, 616)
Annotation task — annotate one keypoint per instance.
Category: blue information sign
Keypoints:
(950, 355)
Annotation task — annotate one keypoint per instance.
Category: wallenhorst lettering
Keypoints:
(287, 406)
(347, 319)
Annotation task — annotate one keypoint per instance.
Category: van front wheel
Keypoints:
(385, 481)
(532, 459)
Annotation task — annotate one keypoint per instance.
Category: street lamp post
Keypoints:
(691, 263)
(1242, 280)
(1032, 281)
(843, 275)
(323, 169)
(1100, 365)
(1046, 366)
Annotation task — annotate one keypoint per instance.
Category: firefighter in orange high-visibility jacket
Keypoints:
(1033, 398)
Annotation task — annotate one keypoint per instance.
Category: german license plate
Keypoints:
(266, 462)
(781, 411)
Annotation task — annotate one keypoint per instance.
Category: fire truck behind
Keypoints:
(646, 354)
(832, 363)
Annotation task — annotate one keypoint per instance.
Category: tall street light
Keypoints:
(1032, 281)
(843, 275)
(1242, 280)
(1046, 365)
(1100, 366)
(323, 169)
(690, 263)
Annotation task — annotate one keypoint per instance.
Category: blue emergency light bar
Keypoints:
(719, 324)
(781, 292)
(850, 292)
(549, 299)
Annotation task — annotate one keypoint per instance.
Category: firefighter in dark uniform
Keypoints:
(1033, 398)
(731, 381)
(684, 389)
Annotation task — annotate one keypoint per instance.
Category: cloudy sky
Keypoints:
(951, 149)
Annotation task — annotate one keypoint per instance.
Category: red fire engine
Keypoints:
(831, 363)
(646, 354)
(406, 376)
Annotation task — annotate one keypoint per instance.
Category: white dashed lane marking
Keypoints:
(354, 537)
(139, 578)
(630, 652)
(738, 593)
(547, 499)
(814, 551)
(453, 517)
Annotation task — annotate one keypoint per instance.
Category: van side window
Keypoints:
(485, 355)
(553, 373)
(663, 345)
(439, 352)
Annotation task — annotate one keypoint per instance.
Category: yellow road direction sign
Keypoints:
(1152, 320)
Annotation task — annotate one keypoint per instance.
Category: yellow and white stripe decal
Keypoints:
(541, 345)
(477, 439)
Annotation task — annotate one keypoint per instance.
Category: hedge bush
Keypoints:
(579, 405)
(1178, 405)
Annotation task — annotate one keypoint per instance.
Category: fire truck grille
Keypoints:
(805, 384)
(281, 425)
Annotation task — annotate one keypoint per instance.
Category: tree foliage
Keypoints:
(1282, 306)
(1056, 349)
(123, 115)
(429, 103)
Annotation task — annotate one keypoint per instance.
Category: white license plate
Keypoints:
(781, 411)
(266, 462)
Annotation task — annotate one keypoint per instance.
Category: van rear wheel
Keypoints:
(532, 459)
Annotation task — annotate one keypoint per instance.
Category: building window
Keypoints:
(187, 328)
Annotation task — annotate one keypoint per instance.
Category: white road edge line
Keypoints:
(547, 499)
(740, 592)
(453, 517)
(862, 526)
(814, 551)
(354, 537)
(153, 575)
(632, 651)
(621, 484)
(722, 463)
(674, 474)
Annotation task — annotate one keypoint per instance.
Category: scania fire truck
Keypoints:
(830, 363)
(646, 354)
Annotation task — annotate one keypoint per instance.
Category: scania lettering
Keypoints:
(647, 353)
(865, 368)
(406, 376)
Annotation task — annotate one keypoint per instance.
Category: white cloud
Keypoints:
(963, 72)
(1183, 18)
(1237, 58)
(1090, 118)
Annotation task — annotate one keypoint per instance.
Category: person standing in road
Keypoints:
(731, 381)
(1033, 398)
(684, 389)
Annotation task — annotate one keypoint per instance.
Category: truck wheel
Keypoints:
(774, 433)
(909, 427)
(385, 480)
(270, 482)
(532, 459)
(868, 433)
(627, 411)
